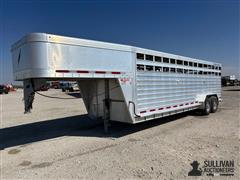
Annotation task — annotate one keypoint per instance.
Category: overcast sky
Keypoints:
(207, 30)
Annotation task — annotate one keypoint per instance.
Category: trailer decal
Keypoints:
(169, 107)
(100, 72)
(125, 80)
(116, 72)
(85, 71)
(62, 71)
(82, 71)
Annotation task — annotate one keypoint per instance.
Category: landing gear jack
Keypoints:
(106, 107)
(28, 95)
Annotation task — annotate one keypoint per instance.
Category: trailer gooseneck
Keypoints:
(118, 82)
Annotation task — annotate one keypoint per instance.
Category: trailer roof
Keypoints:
(44, 37)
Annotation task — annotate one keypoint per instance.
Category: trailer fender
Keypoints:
(202, 97)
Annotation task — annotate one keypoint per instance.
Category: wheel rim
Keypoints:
(214, 105)
(207, 107)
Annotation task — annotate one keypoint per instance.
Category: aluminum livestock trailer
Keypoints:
(117, 82)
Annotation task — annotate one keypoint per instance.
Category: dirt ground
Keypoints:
(58, 141)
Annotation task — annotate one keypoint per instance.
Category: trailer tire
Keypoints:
(214, 104)
(207, 107)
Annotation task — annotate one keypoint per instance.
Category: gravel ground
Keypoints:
(58, 141)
